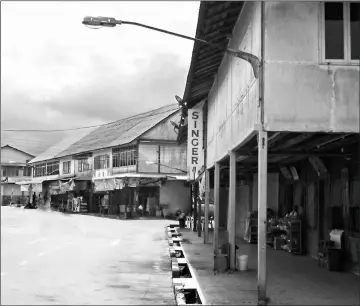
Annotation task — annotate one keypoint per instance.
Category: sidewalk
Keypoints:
(292, 280)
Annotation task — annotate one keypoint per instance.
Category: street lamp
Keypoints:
(112, 22)
(148, 162)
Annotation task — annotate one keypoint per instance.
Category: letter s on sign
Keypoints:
(195, 115)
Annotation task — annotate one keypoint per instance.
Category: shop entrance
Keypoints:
(149, 200)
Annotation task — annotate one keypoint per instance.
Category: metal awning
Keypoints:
(180, 177)
(65, 177)
(83, 178)
(132, 175)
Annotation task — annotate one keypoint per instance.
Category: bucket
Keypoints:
(242, 261)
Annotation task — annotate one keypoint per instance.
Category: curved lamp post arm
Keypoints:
(112, 22)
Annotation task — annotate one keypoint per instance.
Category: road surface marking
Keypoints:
(37, 240)
(24, 262)
(115, 242)
(41, 254)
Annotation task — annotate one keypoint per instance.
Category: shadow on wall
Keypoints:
(176, 196)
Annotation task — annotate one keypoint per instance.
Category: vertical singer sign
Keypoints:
(195, 141)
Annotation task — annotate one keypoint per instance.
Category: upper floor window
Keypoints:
(10, 171)
(27, 171)
(102, 162)
(83, 165)
(52, 168)
(341, 31)
(66, 167)
(123, 157)
(40, 170)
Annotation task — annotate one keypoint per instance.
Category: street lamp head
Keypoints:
(100, 21)
(148, 162)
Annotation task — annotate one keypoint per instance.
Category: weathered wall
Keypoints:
(272, 192)
(233, 101)
(171, 155)
(300, 93)
(7, 189)
(176, 195)
(242, 209)
(163, 130)
(9, 154)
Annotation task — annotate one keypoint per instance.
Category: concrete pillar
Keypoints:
(194, 202)
(262, 215)
(232, 211)
(206, 212)
(198, 209)
(216, 213)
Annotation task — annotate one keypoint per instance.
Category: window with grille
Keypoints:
(66, 167)
(102, 162)
(40, 170)
(341, 31)
(10, 171)
(52, 168)
(124, 157)
(83, 165)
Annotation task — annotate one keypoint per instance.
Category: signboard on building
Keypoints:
(24, 188)
(195, 152)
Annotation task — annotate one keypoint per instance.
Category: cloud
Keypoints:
(111, 95)
(57, 74)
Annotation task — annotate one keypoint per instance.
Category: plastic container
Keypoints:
(242, 261)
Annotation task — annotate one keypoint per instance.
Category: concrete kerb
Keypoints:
(181, 284)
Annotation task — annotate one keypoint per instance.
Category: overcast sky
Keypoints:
(57, 73)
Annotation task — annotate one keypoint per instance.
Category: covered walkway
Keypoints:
(292, 280)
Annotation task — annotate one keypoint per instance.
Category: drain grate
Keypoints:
(181, 270)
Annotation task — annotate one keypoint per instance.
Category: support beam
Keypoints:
(194, 202)
(199, 209)
(294, 141)
(262, 216)
(232, 211)
(207, 201)
(216, 213)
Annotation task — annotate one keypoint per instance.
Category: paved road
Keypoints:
(52, 258)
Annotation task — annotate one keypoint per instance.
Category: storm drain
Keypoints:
(186, 288)
(187, 296)
(184, 270)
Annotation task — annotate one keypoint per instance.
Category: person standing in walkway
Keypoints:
(34, 200)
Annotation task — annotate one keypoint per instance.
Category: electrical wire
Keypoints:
(48, 131)
(121, 121)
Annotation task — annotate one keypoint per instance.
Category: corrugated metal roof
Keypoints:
(62, 145)
(215, 25)
(119, 132)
